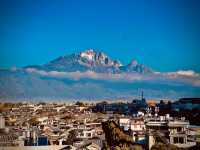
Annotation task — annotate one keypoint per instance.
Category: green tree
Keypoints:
(71, 137)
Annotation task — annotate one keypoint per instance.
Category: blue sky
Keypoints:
(162, 34)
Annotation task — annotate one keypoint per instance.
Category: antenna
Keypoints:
(142, 95)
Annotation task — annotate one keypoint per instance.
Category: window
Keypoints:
(89, 134)
(179, 129)
(181, 140)
(81, 134)
(175, 140)
(178, 140)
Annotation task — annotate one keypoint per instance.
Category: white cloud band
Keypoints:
(180, 77)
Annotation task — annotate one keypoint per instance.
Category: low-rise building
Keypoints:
(168, 131)
(86, 133)
(178, 133)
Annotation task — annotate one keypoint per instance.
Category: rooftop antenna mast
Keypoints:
(142, 95)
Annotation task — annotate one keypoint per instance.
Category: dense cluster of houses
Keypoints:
(72, 126)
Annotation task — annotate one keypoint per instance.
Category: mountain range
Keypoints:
(92, 75)
(91, 60)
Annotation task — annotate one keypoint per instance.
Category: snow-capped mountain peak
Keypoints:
(97, 58)
(88, 54)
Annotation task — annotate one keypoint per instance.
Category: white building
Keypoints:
(179, 132)
(168, 131)
(125, 123)
(86, 133)
(137, 127)
(2, 122)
